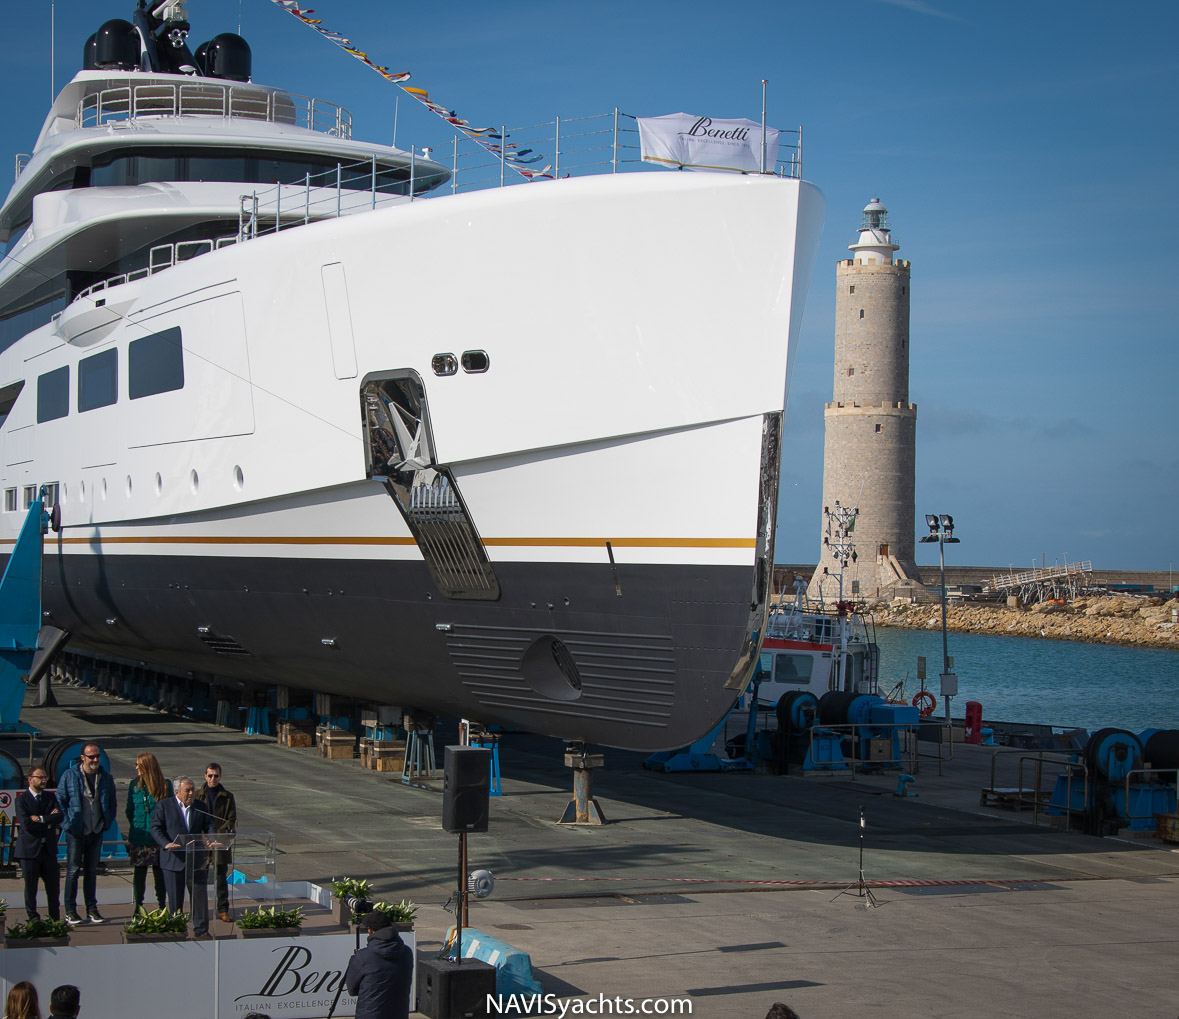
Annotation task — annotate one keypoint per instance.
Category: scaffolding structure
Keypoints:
(1048, 583)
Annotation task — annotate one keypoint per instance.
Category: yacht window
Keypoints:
(155, 364)
(53, 395)
(51, 495)
(145, 166)
(98, 380)
(793, 669)
(30, 493)
(31, 311)
(10, 500)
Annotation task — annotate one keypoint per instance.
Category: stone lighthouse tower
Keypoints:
(870, 426)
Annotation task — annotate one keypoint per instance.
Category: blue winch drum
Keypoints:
(840, 707)
(1161, 747)
(1113, 753)
(63, 755)
(797, 710)
(12, 775)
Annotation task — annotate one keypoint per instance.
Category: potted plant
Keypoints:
(346, 889)
(156, 925)
(403, 914)
(3, 916)
(270, 922)
(39, 934)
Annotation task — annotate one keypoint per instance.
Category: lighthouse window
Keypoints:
(53, 395)
(98, 380)
(851, 289)
(861, 313)
(878, 427)
(851, 372)
(155, 364)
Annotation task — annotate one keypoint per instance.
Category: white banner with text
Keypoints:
(688, 142)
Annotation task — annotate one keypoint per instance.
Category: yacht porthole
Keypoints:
(194, 481)
(103, 490)
(128, 486)
(82, 491)
(159, 484)
(239, 479)
(65, 491)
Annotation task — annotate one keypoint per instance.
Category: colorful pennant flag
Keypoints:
(486, 137)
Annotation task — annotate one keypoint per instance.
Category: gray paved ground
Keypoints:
(719, 887)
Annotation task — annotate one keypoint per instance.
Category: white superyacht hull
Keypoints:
(618, 459)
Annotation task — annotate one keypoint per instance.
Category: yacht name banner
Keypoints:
(689, 142)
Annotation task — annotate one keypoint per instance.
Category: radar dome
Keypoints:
(116, 47)
(227, 56)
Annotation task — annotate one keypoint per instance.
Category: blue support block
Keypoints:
(513, 968)
(495, 786)
(258, 722)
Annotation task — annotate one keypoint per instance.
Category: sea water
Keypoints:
(1048, 682)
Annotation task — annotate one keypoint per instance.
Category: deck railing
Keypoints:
(208, 99)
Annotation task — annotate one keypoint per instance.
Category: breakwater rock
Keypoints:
(1113, 619)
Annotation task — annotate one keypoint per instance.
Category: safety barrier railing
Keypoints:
(1035, 795)
(207, 99)
(854, 732)
(1149, 773)
(21, 161)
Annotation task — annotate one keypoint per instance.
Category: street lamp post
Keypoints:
(941, 530)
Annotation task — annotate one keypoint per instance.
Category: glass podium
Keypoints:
(229, 865)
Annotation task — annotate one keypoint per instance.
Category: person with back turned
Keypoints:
(65, 1002)
(35, 846)
(379, 975)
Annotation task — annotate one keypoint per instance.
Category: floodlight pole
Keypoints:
(941, 530)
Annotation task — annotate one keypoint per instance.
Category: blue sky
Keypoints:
(1026, 153)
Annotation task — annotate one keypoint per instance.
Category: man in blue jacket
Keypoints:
(86, 795)
(379, 976)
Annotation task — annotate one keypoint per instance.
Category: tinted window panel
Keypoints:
(98, 380)
(155, 364)
(53, 395)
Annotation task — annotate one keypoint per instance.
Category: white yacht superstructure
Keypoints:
(367, 453)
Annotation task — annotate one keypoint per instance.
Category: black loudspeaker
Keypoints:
(453, 990)
(466, 792)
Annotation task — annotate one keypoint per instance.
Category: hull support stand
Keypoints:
(583, 808)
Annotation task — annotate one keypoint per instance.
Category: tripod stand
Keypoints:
(861, 886)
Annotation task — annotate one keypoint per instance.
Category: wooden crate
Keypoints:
(336, 744)
(386, 754)
(1166, 827)
(295, 734)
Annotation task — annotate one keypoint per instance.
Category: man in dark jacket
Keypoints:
(223, 807)
(35, 846)
(86, 794)
(379, 976)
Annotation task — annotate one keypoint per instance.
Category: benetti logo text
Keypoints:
(291, 976)
(703, 129)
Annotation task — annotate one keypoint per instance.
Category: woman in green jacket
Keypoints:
(145, 791)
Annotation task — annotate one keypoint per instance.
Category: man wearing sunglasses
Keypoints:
(86, 795)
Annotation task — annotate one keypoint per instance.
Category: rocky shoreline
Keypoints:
(1112, 619)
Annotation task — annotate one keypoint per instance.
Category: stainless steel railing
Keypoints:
(209, 99)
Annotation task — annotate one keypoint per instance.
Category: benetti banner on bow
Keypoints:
(705, 143)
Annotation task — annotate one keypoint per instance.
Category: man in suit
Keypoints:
(39, 819)
(177, 824)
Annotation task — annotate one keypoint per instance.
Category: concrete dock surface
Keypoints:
(722, 888)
